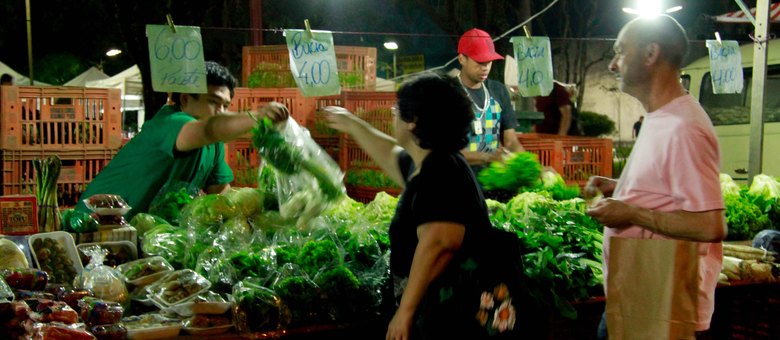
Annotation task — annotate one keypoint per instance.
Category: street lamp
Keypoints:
(650, 8)
(113, 52)
(392, 46)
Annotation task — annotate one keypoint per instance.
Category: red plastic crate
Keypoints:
(59, 118)
(253, 99)
(367, 194)
(356, 66)
(244, 161)
(575, 158)
(79, 167)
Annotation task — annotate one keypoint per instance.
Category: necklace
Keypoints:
(482, 110)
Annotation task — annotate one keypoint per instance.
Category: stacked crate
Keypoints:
(83, 126)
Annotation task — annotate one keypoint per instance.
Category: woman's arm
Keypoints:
(437, 244)
(382, 148)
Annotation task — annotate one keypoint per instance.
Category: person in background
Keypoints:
(638, 126)
(558, 111)
(6, 79)
(181, 144)
(441, 219)
(670, 186)
(492, 133)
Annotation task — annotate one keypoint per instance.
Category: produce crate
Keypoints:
(59, 118)
(271, 64)
(79, 167)
(366, 194)
(575, 158)
(332, 146)
(244, 161)
(253, 99)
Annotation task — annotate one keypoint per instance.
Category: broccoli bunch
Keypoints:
(288, 159)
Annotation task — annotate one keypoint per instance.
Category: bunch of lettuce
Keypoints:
(743, 216)
(520, 170)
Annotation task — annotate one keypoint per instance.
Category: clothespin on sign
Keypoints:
(717, 37)
(527, 34)
(308, 28)
(170, 23)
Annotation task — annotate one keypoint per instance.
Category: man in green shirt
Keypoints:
(181, 145)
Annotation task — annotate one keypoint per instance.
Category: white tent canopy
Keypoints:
(19, 79)
(129, 82)
(91, 74)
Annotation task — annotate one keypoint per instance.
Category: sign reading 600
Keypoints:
(176, 59)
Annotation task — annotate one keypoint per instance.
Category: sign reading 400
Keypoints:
(313, 62)
(176, 59)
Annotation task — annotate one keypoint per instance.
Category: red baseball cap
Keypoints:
(477, 44)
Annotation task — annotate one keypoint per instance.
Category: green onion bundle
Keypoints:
(47, 171)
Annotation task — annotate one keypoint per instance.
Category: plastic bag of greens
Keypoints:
(258, 308)
(214, 264)
(260, 265)
(167, 242)
(248, 201)
(105, 282)
(300, 294)
(171, 198)
(235, 233)
(307, 178)
(144, 222)
(205, 214)
(77, 221)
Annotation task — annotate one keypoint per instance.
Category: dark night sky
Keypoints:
(82, 27)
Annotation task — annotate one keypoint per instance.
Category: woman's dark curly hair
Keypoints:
(440, 109)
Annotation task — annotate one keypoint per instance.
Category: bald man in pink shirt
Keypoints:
(670, 187)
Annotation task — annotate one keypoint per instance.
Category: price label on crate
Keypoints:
(313, 62)
(725, 66)
(176, 59)
(534, 65)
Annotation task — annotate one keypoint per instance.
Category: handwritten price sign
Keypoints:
(534, 65)
(313, 62)
(725, 66)
(176, 59)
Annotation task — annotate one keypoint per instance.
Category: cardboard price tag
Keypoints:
(534, 65)
(725, 66)
(313, 62)
(176, 59)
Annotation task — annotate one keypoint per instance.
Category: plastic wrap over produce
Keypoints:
(307, 178)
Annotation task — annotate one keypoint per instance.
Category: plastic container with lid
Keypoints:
(145, 271)
(177, 287)
(54, 248)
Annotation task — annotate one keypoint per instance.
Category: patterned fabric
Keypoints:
(490, 124)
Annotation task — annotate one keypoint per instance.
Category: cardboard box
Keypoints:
(18, 215)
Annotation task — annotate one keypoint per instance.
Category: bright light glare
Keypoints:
(391, 45)
(674, 9)
(650, 8)
(112, 52)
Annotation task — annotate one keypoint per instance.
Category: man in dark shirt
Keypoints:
(557, 111)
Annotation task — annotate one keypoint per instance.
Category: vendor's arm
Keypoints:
(704, 226)
(437, 243)
(511, 142)
(382, 148)
(223, 127)
(565, 110)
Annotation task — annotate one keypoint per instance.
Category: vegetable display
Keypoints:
(47, 171)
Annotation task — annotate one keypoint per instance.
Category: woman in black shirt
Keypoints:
(439, 234)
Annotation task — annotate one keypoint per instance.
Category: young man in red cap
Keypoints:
(493, 129)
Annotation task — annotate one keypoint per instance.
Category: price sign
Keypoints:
(534, 65)
(725, 66)
(176, 59)
(313, 62)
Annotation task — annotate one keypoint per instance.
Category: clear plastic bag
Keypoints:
(105, 282)
(258, 308)
(107, 204)
(171, 199)
(306, 177)
(6, 294)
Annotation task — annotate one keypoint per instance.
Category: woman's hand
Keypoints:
(400, 326)
(338, 118)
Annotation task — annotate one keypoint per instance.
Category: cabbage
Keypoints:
(728, 186)
(764, 186)
(248, 201)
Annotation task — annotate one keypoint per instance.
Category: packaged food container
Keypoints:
(56, 254)
(207, 302)
(103, 204)
(23, 294)
(26, 279)
(73, 296)
(177, 287)
(145, 271)
(100, 312)
(151, 326)
(14, 252)
(119, 252)
(116, 331)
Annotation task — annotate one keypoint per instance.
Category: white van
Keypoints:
(730, 113)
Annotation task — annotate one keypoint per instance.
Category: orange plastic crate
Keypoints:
(356, 65)
(59, 118)
(367, 194)
(79, 167)
(253, 99)
(243, 159)
(575, 158)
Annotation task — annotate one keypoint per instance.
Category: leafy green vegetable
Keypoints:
(248, 201)
(317, 254)
(344, 295)
(554, 184)
(301, 295)
(144, 222)
(518, 171)
(258, 308)
(288, 159)
(256, 265)
(169, 205)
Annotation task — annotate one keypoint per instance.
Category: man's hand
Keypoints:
(338, 118)
(613, 213)
(275, 111)
(400, 326)
(599, 184)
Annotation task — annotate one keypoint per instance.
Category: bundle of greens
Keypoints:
(521, 170)
(47, 171)
(288, 159)
(743, 216)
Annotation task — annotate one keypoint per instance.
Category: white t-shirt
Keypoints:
(675, 166)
